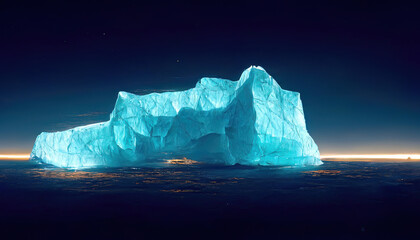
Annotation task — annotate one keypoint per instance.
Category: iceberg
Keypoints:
(252, 121)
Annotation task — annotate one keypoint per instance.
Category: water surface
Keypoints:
(337, 200)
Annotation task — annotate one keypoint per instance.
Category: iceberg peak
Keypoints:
(251, 121)
(256, 67)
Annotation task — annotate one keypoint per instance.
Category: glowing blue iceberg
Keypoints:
(251, 121)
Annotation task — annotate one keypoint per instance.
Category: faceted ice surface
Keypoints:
(251, 122)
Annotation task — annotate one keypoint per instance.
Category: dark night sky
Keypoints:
(356, 64)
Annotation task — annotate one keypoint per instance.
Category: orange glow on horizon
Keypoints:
(183, 161)
(14, 156)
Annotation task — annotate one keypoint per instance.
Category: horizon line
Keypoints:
(335, 156)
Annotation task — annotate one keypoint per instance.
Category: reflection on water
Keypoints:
(69, 174)
(335, 197)
(318, 173)
(183, 176)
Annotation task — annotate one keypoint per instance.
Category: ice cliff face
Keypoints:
(251, 121)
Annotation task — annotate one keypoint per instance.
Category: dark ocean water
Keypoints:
(338, 200)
